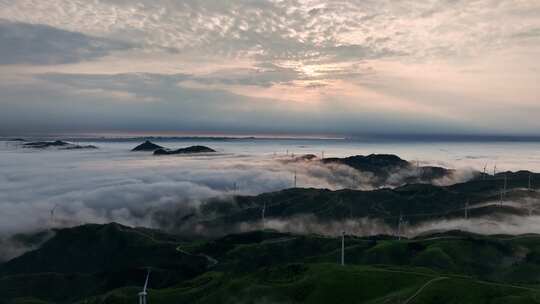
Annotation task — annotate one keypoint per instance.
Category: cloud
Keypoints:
(371, 62)
(57, 188)
(533, 33)
(509, 225)
(265, 75)
(23, 43)
(307, 224)
(18, 244)
(146, 101)
(113, 184)
(291, 30)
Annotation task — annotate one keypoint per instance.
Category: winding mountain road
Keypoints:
(423, 287)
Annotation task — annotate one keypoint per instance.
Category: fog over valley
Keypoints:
(42, 188)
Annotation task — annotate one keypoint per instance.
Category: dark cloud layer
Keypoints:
(23, 43)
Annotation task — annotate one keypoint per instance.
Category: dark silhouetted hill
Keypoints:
(147, 146)
(188, 150)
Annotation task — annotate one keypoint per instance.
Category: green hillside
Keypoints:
(331, 283)
(91, 259)
(417, 197)
(272, 267)
(416, 202)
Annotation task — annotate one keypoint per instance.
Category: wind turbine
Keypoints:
(343, 248)
(400, 222)
(262, 213)
(52, 213)
(467, 210)
(343, 236)
(143, 294)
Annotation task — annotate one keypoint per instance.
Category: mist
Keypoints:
(43, 189)
(53, 188)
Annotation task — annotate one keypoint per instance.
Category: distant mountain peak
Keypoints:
(188, 150)
(147, 146)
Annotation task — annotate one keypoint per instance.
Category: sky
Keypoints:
(270, 67)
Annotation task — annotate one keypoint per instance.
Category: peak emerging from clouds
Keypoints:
(339, 66)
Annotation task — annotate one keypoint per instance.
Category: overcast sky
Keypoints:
(299, 67)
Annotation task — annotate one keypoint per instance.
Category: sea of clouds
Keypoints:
(42, 188)
(51, 187)
(56, 188)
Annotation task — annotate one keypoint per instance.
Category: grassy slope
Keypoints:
(415, 199)
(275, 267)
(89, 259)
(331, 283)
(505, 259)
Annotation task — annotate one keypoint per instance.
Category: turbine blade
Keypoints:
(146, 281)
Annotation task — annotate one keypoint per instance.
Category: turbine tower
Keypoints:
(262, 213)
(143, 294)
(467, 210)
(343, 248)
(52, 214)
(400, 222)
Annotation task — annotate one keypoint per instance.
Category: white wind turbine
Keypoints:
(143, 294)
(52, 214)
(343, 248)
(400, 223)
(263, 212)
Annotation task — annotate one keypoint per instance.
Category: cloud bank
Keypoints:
(24, 43)
(41, 189)
(50, 188)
